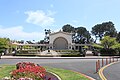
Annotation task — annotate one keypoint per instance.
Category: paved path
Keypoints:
(112, 72)
(85, 66)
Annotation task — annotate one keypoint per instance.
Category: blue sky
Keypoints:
(27, 19)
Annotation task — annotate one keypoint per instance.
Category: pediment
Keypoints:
(61, 32)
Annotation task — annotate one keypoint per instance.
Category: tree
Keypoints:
(41, 41)
(109, 29)
(104, 29)
(97, 46)
(117, 47)
(108, 42)
(47, 32)
(82, 35)
(118, 37)
(4, 44)
(29, 42)
(68, 28)
(21, 42)
(97, 31)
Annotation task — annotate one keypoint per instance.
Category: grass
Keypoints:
(64, 74)
(5, 70)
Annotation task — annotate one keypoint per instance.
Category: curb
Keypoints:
(55, 75)
(90, 78)
(12, 57)
(102, 69)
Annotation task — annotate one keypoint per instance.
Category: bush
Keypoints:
(34, 51)
(30, 55)
(23, 52)
(108, 52)
(67, 51)
(45, 55)
(70, 55)
(28, 71)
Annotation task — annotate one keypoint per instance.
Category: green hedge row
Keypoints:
(108, 52)
(29, 55)
(70, 55)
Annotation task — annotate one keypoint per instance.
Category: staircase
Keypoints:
(49, 53)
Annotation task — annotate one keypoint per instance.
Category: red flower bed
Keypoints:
(28, 70)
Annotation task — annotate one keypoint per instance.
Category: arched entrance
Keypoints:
(60, 43)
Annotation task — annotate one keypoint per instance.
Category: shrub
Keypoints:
(70, 55)
(28, 71)
(108, 52)
(30, 55)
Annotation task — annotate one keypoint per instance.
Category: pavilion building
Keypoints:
(57, 41)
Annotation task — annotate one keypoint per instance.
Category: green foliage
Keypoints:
(96, 49)
(4, 44)
(97, 46)
(104, 29)
(27, 55)
(30, 51)
(97, 31)
(118, 37)
(83, 34)
(80, 34)
(107, 46)
(117, 48)
(26, 47)
(22, 51)
(68, 28)
(70, 51)
(70, 55)
(108, 41)
(85, 47)
(108, 52)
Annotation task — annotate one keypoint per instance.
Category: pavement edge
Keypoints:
(90, 78)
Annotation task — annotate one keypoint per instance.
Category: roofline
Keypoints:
(61, 32)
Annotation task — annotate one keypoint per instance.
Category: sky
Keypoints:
(27, 19)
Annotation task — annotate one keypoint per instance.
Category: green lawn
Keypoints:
(64, 74)
(5, 70)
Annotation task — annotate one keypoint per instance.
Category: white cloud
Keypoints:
(17, 33)
(40, 18)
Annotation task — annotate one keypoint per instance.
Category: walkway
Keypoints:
(50, 52)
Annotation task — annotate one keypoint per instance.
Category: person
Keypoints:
(48, 50)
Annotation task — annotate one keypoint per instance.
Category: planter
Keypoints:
(51, 76)
(31, 71)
